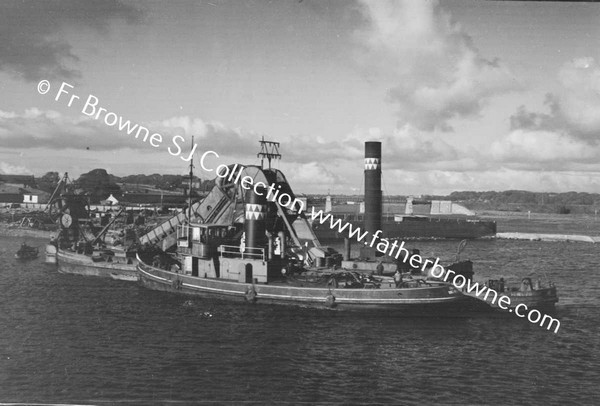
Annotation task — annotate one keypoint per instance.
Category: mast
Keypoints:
(269, 150)
(190, 185)
(61, 183)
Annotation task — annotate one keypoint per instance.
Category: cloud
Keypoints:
(306, 148)
(417, 161)
(31, 47)
(445, 182)
(410, 145)
(436, 71)
(36, 128)
(567, 135)
(8, 169)
(302, 176)
(574, 109)
(212, 136)
(539, 149)
(577, 104)
(414, 161)
(400, 146)
(527, 120)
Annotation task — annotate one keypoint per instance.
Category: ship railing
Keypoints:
(246, 253)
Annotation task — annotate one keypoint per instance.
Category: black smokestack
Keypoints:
(373, 199)
(255, 221)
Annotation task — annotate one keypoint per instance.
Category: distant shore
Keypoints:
(507, 222)
(19, 232)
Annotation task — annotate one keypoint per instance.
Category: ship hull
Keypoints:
(80, 264)
(419, 227)
(426, 301)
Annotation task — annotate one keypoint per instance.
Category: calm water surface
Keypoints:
(74, 339)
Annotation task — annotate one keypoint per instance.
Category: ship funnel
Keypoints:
(373, 195)
(255, 220)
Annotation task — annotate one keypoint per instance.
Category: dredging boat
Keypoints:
(256, 245)
(75, 251)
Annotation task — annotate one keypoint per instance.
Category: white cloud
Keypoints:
(567, 137)
(574, 109)
(436, 71)
(579, 98)
(404, 147)
(213, 136)
(36, 128)
(535, 148)
(190, 126)
(8, 169)
(498, 179)
(310, 172)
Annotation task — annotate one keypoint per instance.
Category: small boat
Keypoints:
(533, 295)
(27, 252)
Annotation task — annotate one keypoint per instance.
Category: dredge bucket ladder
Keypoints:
(210, 209)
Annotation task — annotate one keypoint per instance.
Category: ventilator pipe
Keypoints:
(270, 243)
(347, 248)
(282, 243)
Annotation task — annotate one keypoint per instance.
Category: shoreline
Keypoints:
(511, 225)
(6, 231)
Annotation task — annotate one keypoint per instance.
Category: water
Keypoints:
(75, 339)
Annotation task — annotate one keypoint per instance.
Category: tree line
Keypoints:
(99, 184)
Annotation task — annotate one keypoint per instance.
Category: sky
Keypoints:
(463, 95)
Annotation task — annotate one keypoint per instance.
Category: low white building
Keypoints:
(110, 201)
(30, 198)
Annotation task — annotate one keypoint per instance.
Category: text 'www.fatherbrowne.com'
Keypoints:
(436, 270)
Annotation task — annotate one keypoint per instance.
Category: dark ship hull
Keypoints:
(417, 227)
(425, 301)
